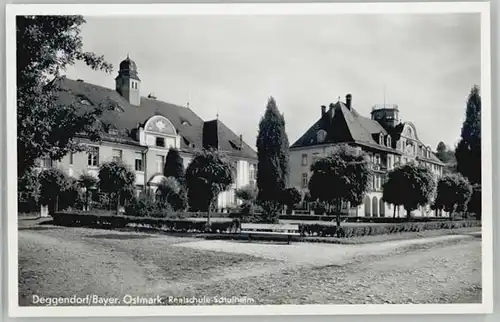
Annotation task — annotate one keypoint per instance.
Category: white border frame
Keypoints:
(483, 8)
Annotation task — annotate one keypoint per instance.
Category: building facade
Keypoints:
(384, 137)
(140, 131)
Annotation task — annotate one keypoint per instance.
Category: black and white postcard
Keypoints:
(249, 159)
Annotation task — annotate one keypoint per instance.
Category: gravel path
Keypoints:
(446, 273)
(310, 254)
(67, 261)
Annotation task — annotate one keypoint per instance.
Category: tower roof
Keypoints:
(128, 68)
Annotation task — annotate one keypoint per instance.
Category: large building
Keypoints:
(387, 140)
(141, 130)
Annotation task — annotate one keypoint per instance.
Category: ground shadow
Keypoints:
(38, 228)
(119, 236)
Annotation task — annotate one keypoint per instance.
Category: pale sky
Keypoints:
(231, 64)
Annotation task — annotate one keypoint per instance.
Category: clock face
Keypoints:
(321, 135)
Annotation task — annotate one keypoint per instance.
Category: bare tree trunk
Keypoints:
(339, 209)
(208, 214)
(452, 212)
(86, 199)
(117, 203)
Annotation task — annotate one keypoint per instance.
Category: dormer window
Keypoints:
(234, 145)
(389, 141)
(185, 123)
(381, 139)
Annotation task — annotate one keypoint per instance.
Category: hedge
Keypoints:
(110, 220)
(382, 229)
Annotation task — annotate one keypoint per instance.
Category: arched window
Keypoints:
(389, 141)
(381, 139)
(382, 207)
(368, 212)
(375, 206)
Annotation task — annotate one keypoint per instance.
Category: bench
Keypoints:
(287, 230)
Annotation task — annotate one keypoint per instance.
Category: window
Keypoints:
(139, 190)
(253, 172)
(304, 159)
(377, 159)
(389, 142)
(46, 162)
(117, 154)
(71, 158)
(93, 157)
(381, 139)
(304, 180)
(160, 142)
(139, 161)
(160, 163)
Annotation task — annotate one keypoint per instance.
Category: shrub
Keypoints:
(291, 197)
(28, 192)
(141, 207)
(359, 230)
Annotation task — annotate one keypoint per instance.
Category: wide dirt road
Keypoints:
(57, 261)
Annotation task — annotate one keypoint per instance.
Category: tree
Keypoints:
(391, 193)
(273, 157)
(53, 183)
(28, 191)
(172, 192)
(340, 177)
(447, 156)
(208, 174)
(70, 195)
(46, 45)
(167, 187)
(117, 180)
(468, 150)
(291, 197)
(453, 194)
(88, 182)
(248, 194)
(409, 185)
(174, 167)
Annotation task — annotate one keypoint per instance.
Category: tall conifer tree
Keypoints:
(273, 158)
(468, 151)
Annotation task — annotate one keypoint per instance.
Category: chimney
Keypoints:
(348, 100)
(323, 110)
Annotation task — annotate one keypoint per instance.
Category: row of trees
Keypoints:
(46, 45)
(343, 176)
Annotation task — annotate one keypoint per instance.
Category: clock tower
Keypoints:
(128, 83)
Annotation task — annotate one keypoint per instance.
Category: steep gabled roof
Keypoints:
(342, 125)
(346, 125)
(126, 118)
